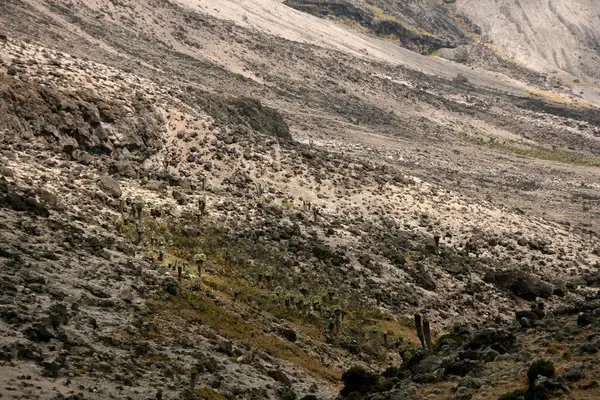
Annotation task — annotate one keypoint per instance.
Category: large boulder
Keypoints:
(110, 186)
(497, 339)
(520, 283)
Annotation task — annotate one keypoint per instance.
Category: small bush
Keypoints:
(359, 380)
(540, 368)
(391, 372)
(514, 395)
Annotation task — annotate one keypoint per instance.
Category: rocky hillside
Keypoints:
(193, 205)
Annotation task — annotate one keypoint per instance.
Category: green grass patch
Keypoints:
(197, 308)
(543, 153)
(435, 53)
(539, 152)
(560, 99)
(208, 394)
(379, 14)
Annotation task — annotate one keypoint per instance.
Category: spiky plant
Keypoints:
(330, 293)
(140, 233)
(200, 258)
(419, 326)
(138, 205)
(427, 333)
(377, 293)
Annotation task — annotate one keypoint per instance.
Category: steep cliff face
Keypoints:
(75, 121)
(560, 38)
(415, 29)
(548, 36)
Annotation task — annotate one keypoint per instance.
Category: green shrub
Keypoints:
(513, 395)
(391, 372)
(540, 368)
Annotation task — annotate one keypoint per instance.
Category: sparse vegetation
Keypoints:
(539, 152)
(561, 99)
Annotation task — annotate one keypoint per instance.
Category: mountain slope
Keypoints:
(554, 37)
(208, 200)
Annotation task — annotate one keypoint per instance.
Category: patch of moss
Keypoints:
(557, 98)
(379, 14)
(435, 53)
(208, 394)
(539, 152)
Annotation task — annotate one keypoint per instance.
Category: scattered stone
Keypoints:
(110, 186)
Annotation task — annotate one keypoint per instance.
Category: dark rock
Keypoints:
(321, 251)
(19, 202)
(110, 186)
(207, 364)
(425, 378)
(540, 368)
(52, 365)
(357, 379)
(58, 315)
(459, 367)
(170, 285)
(38, 333)
(225, 347)
(179, 198)
(427, 365)
(542, 387)
(285, 393)
(423, 278)
(75, 121)
(497, 339)
(7, 287)
(10, 315)
(29, 351)
(572, 374)
(125, 169)
(585, 319)
(471, 382)
(288, 333)
(364, 259)
(279, 376)
(243, 111)
(521, 283)
(530, 315)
